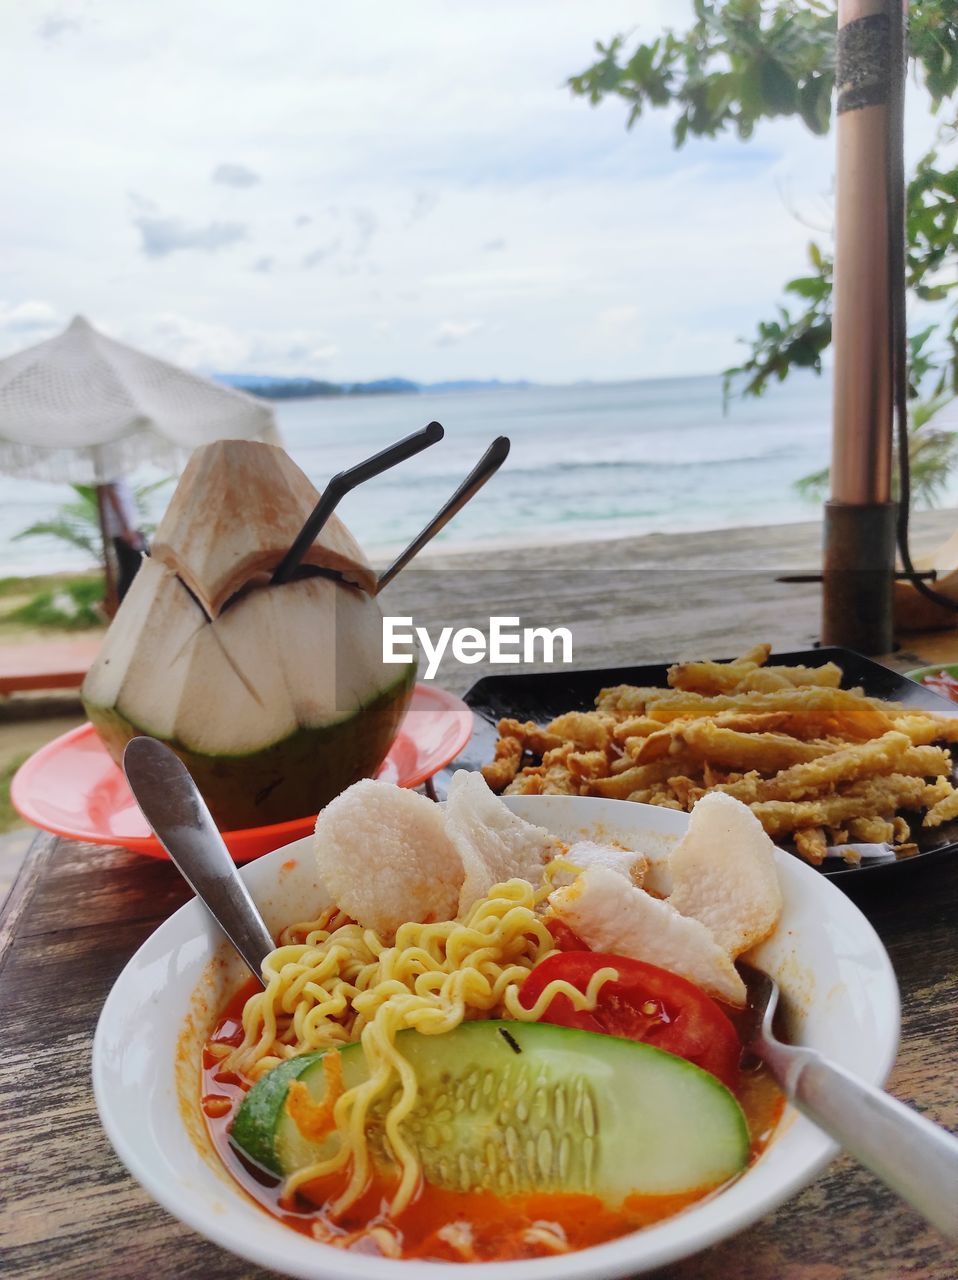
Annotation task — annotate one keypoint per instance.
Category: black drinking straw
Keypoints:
(484, 470)
(341, 484)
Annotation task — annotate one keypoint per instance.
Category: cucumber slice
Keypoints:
(520, 1106)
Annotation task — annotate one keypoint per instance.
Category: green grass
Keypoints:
(20, 587)
(9, 818)
(70, 606)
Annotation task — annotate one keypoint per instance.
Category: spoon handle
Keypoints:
(181, 821)
(913, 1156)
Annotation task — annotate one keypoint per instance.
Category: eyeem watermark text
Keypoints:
(507, 643)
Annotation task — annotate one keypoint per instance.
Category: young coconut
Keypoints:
(276, 698)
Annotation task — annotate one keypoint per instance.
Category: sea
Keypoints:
(588, 461)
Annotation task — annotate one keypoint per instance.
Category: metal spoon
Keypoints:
(178, 815)
(913, 1156)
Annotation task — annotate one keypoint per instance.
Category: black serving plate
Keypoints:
(541, 696)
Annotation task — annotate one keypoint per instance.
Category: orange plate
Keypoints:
(72, 787)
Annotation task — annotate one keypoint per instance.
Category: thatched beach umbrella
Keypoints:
(84, 408)
(869, 344)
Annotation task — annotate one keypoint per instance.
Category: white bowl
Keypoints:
(824, 953)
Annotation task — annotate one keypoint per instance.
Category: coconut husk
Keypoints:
(235, 513)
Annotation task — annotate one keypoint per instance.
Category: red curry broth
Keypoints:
(490, 1228)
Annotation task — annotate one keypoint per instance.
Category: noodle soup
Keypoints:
(837, 979)
(482, 1088)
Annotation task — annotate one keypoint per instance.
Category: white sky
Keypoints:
(356, 190)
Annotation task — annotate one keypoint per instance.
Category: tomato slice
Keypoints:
(565, 938)
(646, 1003)
(943, 683)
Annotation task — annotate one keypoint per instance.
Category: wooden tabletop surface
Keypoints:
(77, 913)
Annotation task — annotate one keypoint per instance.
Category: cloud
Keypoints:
(235, 175)
(27, 317)
(142, 204)
(55, 25)
(196, 344)
(366, 224)
(449, 332)
(619, 319)
(163, 236)
(594, 217)
(422, 206)
(321, 254)
(296, 351)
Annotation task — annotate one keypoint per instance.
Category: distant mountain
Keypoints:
(278, 388)
(271, 387)
(474, 384)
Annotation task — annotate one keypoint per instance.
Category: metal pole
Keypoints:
(110, 597)
(859, 547)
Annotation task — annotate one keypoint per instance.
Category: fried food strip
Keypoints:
(533, 738)
(812, 844)
(881, 755)
(635, 727)
(624, 700)
(879, 797)
(709, 677)
(924, 729)
(930, 762)
(812, 712)
(943, 811)
(753, 721)
(589, 730)
(656, 745)
(557, 778)
(587, 764)
(872, 830)
(940, 789)
(762, 680)
(619, 786)
(514, 740)
(767, 679)
(663, 797)
(526, 783)
(758, 655)
(766, 752)
(682, 788)
(847, 764)
(810, 758)
(505, 764)
(749, 672)
(827, 676)
(620, 765)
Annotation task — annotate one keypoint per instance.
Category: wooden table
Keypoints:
(59, 664)
(77, 913)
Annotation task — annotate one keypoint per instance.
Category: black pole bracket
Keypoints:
(858, 576)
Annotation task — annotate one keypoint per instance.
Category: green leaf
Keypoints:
(808, 287)
(778, 92)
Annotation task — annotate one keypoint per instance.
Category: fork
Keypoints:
(913, 1156)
